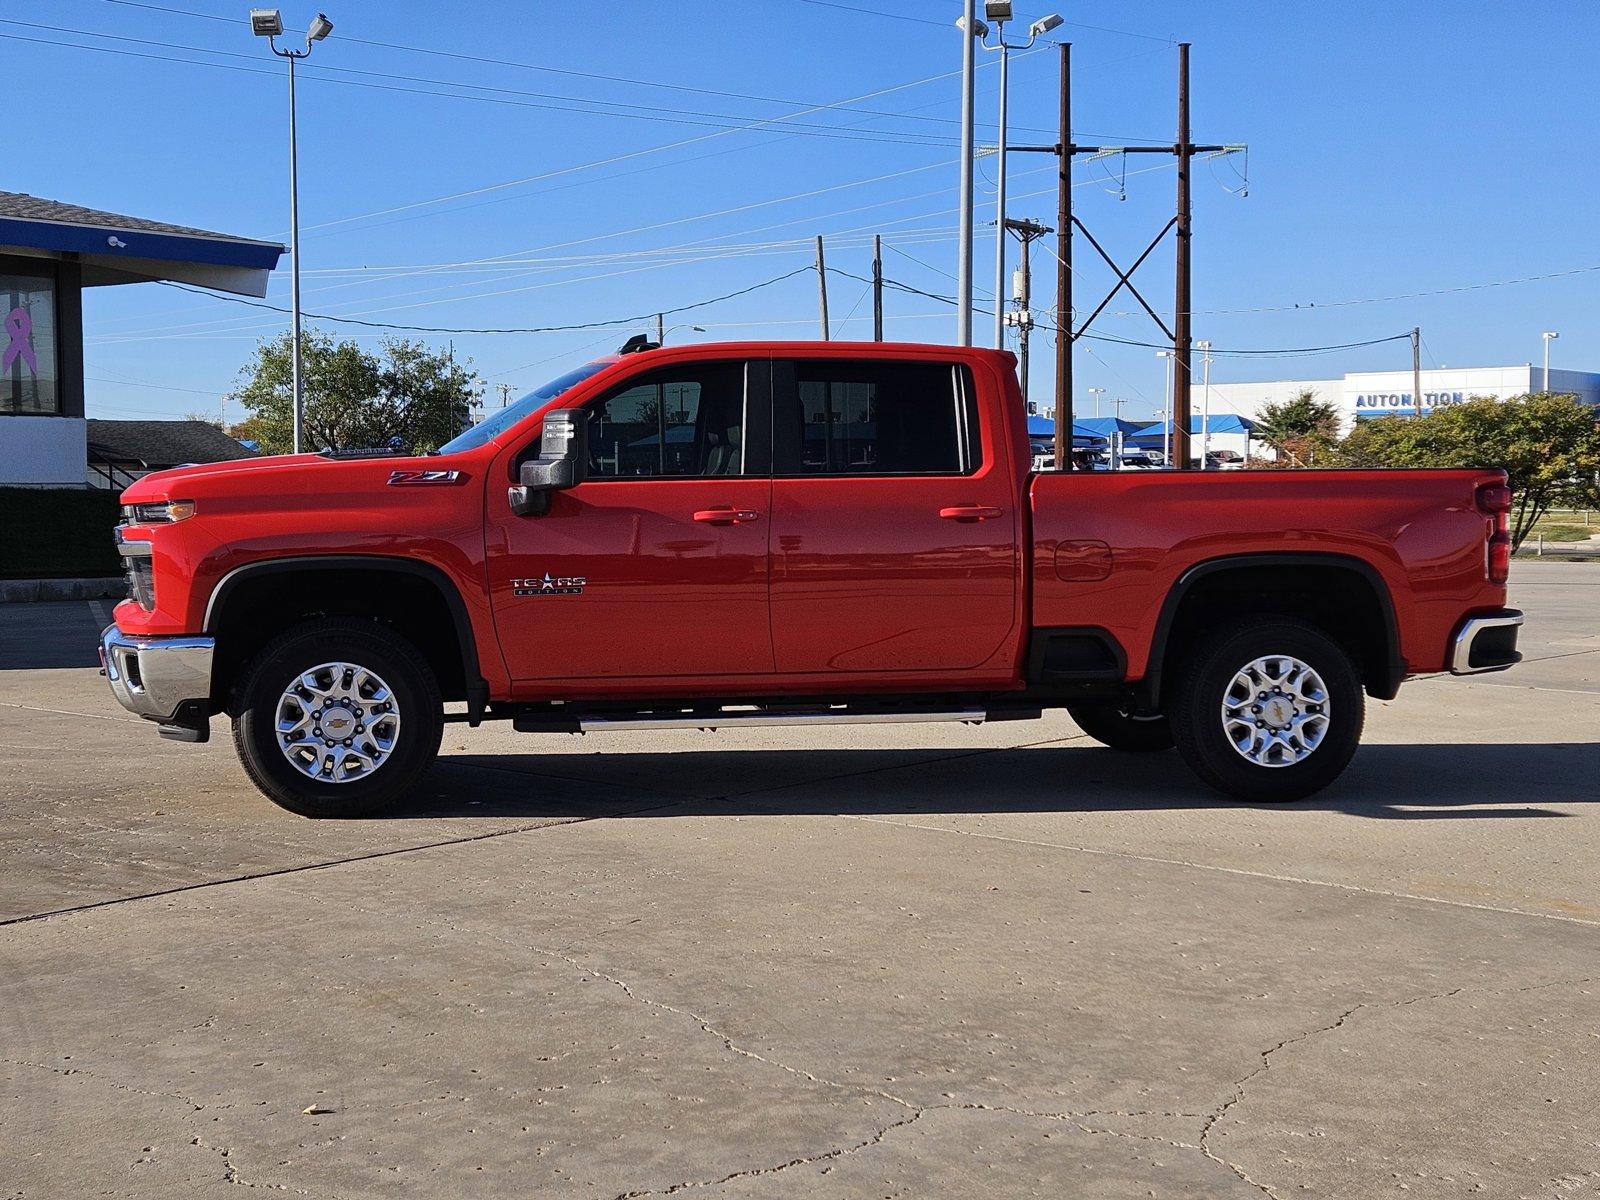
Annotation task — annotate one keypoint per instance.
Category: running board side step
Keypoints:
(747, 718)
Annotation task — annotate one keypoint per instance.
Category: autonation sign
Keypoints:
(1385, 400)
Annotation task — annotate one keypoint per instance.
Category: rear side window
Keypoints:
(840, 417)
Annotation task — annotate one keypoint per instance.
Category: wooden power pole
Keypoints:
(822, 287)
(877, 288)
(1069, 329)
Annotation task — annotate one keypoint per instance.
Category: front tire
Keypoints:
(1268, 710)
(337, 718)
(1121, 728)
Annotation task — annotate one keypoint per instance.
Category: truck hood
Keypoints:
(263, 475)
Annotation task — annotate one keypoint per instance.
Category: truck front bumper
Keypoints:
(1487, 643)
(163, 679)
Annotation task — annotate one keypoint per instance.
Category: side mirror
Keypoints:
(562, 463)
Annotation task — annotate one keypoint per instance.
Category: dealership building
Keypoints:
(1365, 394)
(49, 253)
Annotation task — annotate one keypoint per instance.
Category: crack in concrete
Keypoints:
(804, 1160)
(1265, 1064)
(230, 1171)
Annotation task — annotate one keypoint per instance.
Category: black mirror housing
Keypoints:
(562, 463)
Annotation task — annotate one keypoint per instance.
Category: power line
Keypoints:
(1277, 352)
(631, 320)
(570, 104)
(564, 71)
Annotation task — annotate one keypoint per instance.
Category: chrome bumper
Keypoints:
(155, 676)
(1486, 643)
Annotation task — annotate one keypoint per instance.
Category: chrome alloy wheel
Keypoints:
(1275, 711)
(337, 722)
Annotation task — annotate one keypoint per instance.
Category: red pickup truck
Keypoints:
(771, 534)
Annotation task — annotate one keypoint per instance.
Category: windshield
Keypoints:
(493, 426)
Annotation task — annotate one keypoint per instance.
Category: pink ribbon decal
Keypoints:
(19, 328)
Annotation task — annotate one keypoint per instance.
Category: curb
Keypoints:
(28, 591)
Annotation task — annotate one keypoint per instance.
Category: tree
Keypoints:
(354, 399)
(1302, 429)
(1548, 444)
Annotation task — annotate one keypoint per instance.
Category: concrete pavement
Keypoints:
(909, 961)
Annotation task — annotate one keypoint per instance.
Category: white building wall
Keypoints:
(1376, 393)
(43, 451)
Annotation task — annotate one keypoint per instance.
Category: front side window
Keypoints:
(28, 375)
(878, 418)
(686, 422)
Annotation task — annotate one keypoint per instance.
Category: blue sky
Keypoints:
(1394, 149)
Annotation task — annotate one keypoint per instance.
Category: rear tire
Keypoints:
(1268, 710)
(337, 718)
(1118, 726)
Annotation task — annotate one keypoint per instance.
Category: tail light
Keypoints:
(1494, 501)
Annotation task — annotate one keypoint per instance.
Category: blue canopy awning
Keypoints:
(1219, 423)
(112, 248)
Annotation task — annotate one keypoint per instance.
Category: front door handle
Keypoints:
(969, 512)
(726, 516)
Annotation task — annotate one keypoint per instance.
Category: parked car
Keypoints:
(780, 534)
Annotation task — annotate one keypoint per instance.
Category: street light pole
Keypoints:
(1097, 393)
(999, 11)
(1548, 336)
(1000, 197)
(969, 34)
(1205, 402)
(294, 261)
(268, 23)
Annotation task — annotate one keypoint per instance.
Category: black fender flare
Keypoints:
(1384, 685)
(471, 668)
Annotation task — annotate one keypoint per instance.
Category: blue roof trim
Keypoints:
(167, 247)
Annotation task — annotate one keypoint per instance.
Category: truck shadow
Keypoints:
(1385, 782)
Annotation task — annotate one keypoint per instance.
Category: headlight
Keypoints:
(162, 512)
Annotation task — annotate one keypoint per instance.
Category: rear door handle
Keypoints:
(970, 512)
(726, 516)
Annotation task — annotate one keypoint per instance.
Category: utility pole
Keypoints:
(1064, 220)
(1022, 315)
(877, 288)
(822, 287)
(222, 407)
(505, 393)
(661, 330)
(1182, 392)
(1416, 371)
(1067, 224)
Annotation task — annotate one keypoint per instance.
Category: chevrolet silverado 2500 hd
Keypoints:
(766, 533)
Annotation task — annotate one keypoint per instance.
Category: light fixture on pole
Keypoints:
(1097, 393)
(999, 11)
(1548, 336)
(268, 23)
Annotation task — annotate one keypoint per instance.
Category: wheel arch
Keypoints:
(424, 592)
(1260, 578)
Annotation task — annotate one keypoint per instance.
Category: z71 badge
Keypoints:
(550, 585)
(414, 478)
